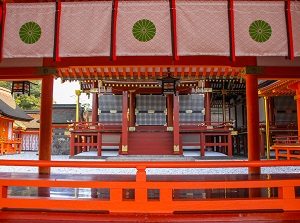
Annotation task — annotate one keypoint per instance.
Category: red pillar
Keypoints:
(169, 110)
(45, 140)
(95, 109)
(124, 149)
(72, 144)
(271, 110)
(207, 99)
(176, 149)
(297, 97)
(252, 121)
(131, 109)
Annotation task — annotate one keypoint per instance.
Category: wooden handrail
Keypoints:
(287, 140)
(167, 200)
(206, 164)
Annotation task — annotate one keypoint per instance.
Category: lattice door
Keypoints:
(191, 108)
(110, 108)
(150, 110)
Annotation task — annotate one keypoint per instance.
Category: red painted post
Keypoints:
(141, 174)
(124, 149)
(207, 99)
(176, 149)
(262, 143)
(72, 144)
(207, 109)
(297, 98)
(3, 191)
(95, 109)
(229, 138)
(131, 108)
(202, 144)
(99, 144)
(169, 110)
(252, 121)
(45, 140)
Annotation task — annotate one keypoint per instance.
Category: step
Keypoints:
(150, 158)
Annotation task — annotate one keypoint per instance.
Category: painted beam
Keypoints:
(152, 60)
(274, 73)
(13, 73)
(268, 73)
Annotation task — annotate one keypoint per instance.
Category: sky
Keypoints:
(64, 93)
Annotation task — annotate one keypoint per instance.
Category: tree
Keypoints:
(27, 102)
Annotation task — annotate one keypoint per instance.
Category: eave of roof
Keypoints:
(278, 88)
(9, 108)
(146, 73)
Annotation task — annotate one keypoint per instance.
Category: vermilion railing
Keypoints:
(10, 146)
(279, 140)
(287, 147)
(167, 201)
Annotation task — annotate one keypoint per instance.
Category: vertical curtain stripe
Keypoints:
(289, 30)
(173, 29)
(57, 29)
(2, 24)
(113, 30)
(231, 30)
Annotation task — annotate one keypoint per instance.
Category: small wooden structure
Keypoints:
(9, 112)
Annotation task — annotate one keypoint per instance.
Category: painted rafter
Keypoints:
(279, 88)
(129, 73)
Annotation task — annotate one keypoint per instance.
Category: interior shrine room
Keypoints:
(211, 111)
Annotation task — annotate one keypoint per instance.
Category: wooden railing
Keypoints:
(284, 140)
(287, 147)
(87, 135)
(80, 126)
(206, 125)
(10, 146)
(211, 134)
(286, 198)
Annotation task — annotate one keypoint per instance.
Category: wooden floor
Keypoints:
(14, 216)
(180, 194)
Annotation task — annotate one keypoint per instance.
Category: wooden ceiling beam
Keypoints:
(277, 73)
(267, 73)
(7, 1)
(152, 61)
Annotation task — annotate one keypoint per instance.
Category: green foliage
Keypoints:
(28, 102)
(6, 84)
(31, 102)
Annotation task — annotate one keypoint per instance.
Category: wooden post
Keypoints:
(252, 121)
(297, 98)
(95, 108)
(99, 144)
(78, 93)
(207, 99)
(229, 138)
(202, 144)
(72, 144)
(176, 149)
(45, 139)
(124, 149)
(267, 118)
(169, 110)
(132, 108)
